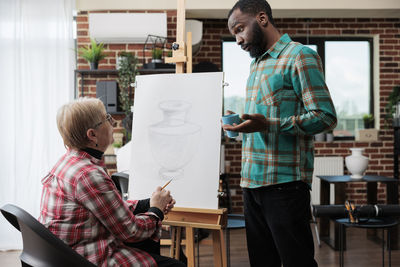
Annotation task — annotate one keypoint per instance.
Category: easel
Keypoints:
(190, 218)
(179, 55)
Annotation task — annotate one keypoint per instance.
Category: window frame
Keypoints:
(320, 43)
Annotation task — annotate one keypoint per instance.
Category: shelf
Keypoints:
(115, 71)
(117, 113)
(98, 71)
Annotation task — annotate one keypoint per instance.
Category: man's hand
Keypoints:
(251, 123)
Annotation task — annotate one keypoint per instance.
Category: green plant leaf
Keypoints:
(156, 53)
(92, 53)
(390, 108)
(126, 76)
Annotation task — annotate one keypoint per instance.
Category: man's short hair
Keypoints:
(78, 116)
(253, 7)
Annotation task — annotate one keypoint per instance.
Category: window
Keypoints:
(348, 70)
(348, 74)
(236, 66)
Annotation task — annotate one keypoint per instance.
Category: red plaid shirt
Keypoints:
(81, 205)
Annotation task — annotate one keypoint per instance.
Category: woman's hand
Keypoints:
(161, 198)
(169, 206)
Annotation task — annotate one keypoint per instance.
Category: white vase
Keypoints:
(356, 163)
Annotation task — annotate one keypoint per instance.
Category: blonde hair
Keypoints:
(76, 117)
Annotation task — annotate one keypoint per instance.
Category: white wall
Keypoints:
(288, 8)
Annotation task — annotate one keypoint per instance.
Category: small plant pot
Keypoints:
(368, 124)
(319, 137)
(94, 65)
(330, 137)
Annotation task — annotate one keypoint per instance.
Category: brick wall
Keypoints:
(112, 51)
(380, 153)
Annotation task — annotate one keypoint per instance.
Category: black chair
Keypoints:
(373, 223)
(40, 246)
(121, 181)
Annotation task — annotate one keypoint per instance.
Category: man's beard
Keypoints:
(257, 47)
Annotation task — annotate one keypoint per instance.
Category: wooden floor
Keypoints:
(361, 252)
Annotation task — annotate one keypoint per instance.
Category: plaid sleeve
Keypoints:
(96, 192)
(318, 112)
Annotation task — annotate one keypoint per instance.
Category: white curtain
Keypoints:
(36, 78)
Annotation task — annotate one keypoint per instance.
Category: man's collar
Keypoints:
(278, 47)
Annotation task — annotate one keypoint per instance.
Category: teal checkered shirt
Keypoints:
(286, 85)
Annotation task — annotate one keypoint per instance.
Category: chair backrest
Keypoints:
(121, 181)
(40, 246)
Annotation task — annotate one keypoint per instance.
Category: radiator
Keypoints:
(325, 166)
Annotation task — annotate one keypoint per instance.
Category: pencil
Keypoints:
(164, 186)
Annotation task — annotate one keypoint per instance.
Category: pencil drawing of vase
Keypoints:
(174, 140)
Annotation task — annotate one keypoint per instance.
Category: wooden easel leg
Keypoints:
(223, 248)
(219, 248)
(189, 62)
(173, 242)
(176, 239)
(190, 246)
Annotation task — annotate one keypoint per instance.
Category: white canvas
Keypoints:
(177, 134)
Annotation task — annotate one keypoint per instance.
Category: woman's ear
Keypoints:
(91, 135)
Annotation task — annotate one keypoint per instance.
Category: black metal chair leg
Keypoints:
(383, 247)
(389, 241)
(341, 260)
(228, 248)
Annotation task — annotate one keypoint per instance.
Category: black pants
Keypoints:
(278, 225)
(153, 248)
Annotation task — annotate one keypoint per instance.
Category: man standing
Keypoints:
(287, 102)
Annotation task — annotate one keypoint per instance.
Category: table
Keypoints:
(340, 198)
(374, 223)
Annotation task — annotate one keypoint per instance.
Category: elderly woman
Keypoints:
(81, 205)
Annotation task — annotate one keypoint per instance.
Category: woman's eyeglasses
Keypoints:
(109, 118)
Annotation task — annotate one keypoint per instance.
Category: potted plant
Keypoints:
(368, 121)
(93, 53)
(156, 55)
(169, 53)
(391, 107)
(126, 77)
(118, 141)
